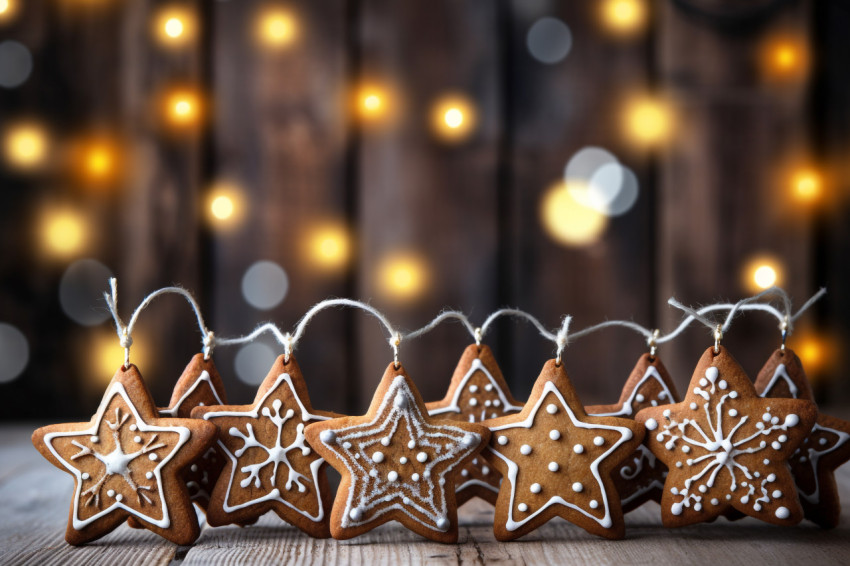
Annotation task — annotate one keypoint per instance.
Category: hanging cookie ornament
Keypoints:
(557, 460)
(397, 463)
(640, 478)
(269, 465)
(476, 392)
(127, 461)
(727, 448)
(825, 448)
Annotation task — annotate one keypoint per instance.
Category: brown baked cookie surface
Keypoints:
(826, 447)
(127, 462)
(397, 463)
(477, 391)
(726, 447)
(640, 478)
(269, 466)
(557, 461)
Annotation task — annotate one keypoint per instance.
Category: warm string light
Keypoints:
(97, 161)
(182, 109)
(623, 17)
(807, 185)
(568, 221)
(63, 233)
(327, 246)
(26, 146)
(225, 205)
(8, 10)
(108, 356)
(762, 272)
(784, 58)
(276, 28)
(402, 276)
(453, 117)
(648, 121)
(374, 104)
(174, 26)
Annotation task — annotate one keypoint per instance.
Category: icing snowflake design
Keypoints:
(641, 474)
(478, 396)
(281, 443)
(822, 440)
(118, 462)
(384, 478)
(715, 438)
(530, 497)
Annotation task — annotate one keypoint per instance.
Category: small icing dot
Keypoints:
(578, 448)
(464, 473)
(327, 436)
(415, 477)
(378, 457)
(697, 506)
(776, 445)
(666, 413)
(765, 417)
(693, 406)
(487, 403)
(554, 434)
(703, 382)
(686, 448)
(402, 460)
(411, 444)
(473, 402)
(577, 487)
(792, 420)
(149, 475)
(443, 524)
(473, 388)
(406, 500)
(400, 401)
(422, 456)
(659, 437)
(525, 449)
(137, 439)
(654, 403)
(723, 384)
(598, 441)
(728, 497)
(733, 412)
(95, 439)
(373, 473)
(522, 507)
(393, 475)
(535, 488)
(640, 398)
(426, 473)
(485, 470)
(153, 457)
(703, 489)
(385, 441)
(502, 440)
(678, 464)
(111, 493)
(85, 476)
(119, 497)
(469, 440)
(771, 478)
(766, 462)
(551, 408)
(783, 513)
(496, 402)
(822, 441)
(774, 420)
(783, 438)
(553, 466)
(593, 504)
(488, 387)
(356, 514)
(715, 501)
(733, 394)
(133, 427)
(651, 424)
(194, 467)
(346, 445)
(776, 494)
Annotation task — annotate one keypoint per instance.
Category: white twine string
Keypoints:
(560, 337)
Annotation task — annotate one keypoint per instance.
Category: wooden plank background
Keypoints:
(279, 126)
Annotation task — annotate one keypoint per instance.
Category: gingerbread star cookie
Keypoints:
(640, 478)
(557, 461)
(269, 465)
(826, 447)
(397, 463)
(726, 447)
(127, 462)
(477, 392)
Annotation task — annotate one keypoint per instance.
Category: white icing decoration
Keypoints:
(473, 389)
(378, 457)
(551, 408)
(525, 449)
(554, 434)
(782, 513)
(393, 475)
(627, 409)
(605, 521)
(628, 472)
(599, 441)
(593, 504)
(276, 455)
(781, 373)
(203, 378)
(577, 487)
(117, 461)
(476, 366)
(422, 457)
(502, 440)
(327, 436)
(535, 488)
(553, 466)
(651, 424)
(578, 449)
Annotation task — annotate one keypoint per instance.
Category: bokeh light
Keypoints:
(264, 285)
(26, 146)
(8, 10)
(623, 17)
(81, 292)
(327, 246)
(174, 26)
(761, 272)
(648, 121)
(817, 351)
(596, 179)
(97, 160)
(276, 27)
(107, 356)
(64, 232)
(14, 351)
(374, 103)
(785, 58)
(253, 362)
(807, 184)
(15, 64)
(549, 40)
(453, 117)
(567, 221)
(183, 108)
(226, 205)
(402, 275)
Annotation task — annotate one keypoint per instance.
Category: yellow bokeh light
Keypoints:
(807, 185)
(25, 146)
(183, 108)
(373, 103)
(764, 276)
(328, 246)
(8, 9)
(453, 117)
(762, 272)
(276, 27)
(785, 57)
(222, 207)
(225, 204)
(818, 352)
(174, 26)
(567, 221)
(64, 233)
(623, 17)
(648, 121)
(108, 356)
(402, 276)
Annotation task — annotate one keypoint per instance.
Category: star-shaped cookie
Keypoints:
(640, 478)
(269, 465)
(726, 447)
(477, 392)
(826, 447)
(127, 462)
(557, 461)
(397, 463)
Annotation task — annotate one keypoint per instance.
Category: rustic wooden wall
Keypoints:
(280, 127)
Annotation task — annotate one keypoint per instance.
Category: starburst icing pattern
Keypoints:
(727, 447)
(568, 474)
(640, 478)
(397, 462)
(826, 447)
(477, 392)
(271, 466)
(124, 461)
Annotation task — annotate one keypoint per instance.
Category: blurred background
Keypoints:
(589, 158)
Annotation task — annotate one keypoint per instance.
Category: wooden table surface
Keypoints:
(35, 496)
